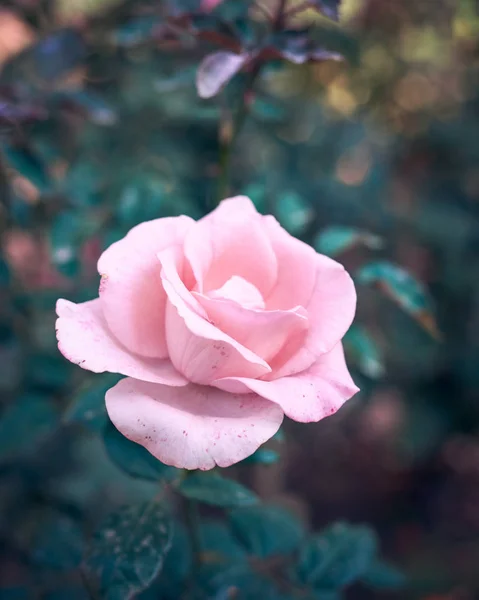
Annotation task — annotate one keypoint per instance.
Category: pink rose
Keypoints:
(222, 327)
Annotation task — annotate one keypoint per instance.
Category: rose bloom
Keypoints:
(221, 326)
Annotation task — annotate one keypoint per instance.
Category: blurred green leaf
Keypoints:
(66, 234)
(83, 184)
(133, 458)
(28, 164)
(293, 212)
(128, 551)
(218, 543)
(58, 544)
(5, 277)
(336, 557)
(267, 530)
(403, 289)
(213, 489)
(25, 424)
(384, 576)
(136, 31)
(96, 109)
(88, 406)
(337, 239)
(263, 456)
(365, 352)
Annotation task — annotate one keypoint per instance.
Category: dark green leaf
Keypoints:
(135, 31)
(129, 551)
(218, 543)
(90, 104)
(58, 544)
(384, 576)
(28, 164)
(216, 70)
(88, 405)
(364, 351)
(263, 456)
(25, 424)
(403, 289)
(213, 489)
(335, 240)
(133, 458)
(267, 530)
(4, 273)
(337, 557)
(176, 568)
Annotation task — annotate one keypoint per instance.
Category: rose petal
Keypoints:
(263, 332)
(309, 396)
(84, 339)
(193, 427)
(131, 293)
(316, 282)
(196, 347)
(241, 291)
(229, 241)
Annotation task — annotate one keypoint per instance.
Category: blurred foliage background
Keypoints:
(374, 160)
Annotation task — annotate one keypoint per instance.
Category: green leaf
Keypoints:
(25, 424)
(293, 212)
(403, 289)
(218, 543)
(29, 165)
(213, 489)
(384, 576)
(263, 456)
(88, 406)
(66, 234)
(336, 240)
(133, 458)
(267, 530)
(128, 551)
(58, 544)
(170, 583)
(136, 31)
(337, 557)
(5, 275)
(364, 351)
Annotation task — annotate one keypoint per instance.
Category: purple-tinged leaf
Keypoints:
(329, 8)
(216, 70)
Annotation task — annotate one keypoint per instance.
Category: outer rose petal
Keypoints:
(309, 396)
(192, 427)
(230, 241)
(84, 339)
(131, 293)
(316, 282)
(263, 332)
(196, 347)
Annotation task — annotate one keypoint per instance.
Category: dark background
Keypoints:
(101, 128)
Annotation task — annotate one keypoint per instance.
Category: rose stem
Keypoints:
(227, 145)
